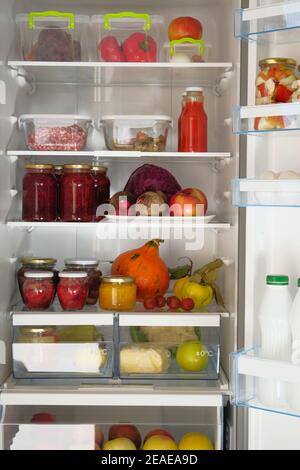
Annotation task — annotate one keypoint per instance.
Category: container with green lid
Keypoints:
(277, 280)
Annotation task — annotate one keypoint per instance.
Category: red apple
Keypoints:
(99, 436)
(198, 194)
(158, 432)
(185, 27)
(43, 418)
(128, 431)
(184, 205)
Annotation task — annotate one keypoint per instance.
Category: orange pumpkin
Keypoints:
(145, 265)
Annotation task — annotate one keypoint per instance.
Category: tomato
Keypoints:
(185, 27)
(282, 94)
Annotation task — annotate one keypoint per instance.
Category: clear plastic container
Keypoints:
(185, 50)
(136, 133)
(128, 37)
(53, 36)
(51, 132)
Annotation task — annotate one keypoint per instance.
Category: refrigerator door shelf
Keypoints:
(266, 193)
(277, 23)
(251, 376)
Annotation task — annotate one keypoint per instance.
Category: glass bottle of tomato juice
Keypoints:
(192, 135)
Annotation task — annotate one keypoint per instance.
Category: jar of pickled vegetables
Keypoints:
(39, 194)
(36, 264)
(38, 290)
(72, 290)
(90, 267)
(276, 81)
(117, 293)
(37, 334)
(77, 194)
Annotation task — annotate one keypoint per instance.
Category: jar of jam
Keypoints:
(39, 194)
(36, 264)
(37, 334)
(102, 185)
(117, 293)
(89, 266)
(58, 171)
(72, 290)
(276, 81)
(38, 290)
(77, 194)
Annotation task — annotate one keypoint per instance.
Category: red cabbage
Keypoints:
(152, 178)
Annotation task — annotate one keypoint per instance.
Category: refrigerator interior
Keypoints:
(96, 92)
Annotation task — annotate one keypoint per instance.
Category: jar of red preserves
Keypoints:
(36, 264)
(38, 290)
(58, 171)
(90, 267)
(39, 194)
(72, 290)
(192, 126)
(77, 194)
(102, 185)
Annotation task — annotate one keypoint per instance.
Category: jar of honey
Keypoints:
(117, 293)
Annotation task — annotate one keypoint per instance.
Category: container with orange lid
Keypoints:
(39, 194)
(117, 293)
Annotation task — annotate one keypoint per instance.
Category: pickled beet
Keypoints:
(72, 292)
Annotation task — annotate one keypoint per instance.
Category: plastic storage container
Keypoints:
(136, 133)
(39, 194)
(53, 36)
(185, 50)
(51, 132)
(62, 351)
(128, 37)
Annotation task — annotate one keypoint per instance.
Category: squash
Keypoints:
(145, 265)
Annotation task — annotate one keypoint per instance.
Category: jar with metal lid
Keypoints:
(117, 293)
(36, 264)
(58, 171)
(102, 185)
(72, 290)
(39, 194)
(276, 81)
(77, 194)
(37, 334)
(38, 290)
(89, 266)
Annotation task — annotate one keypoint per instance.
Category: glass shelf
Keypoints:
(277, 23)
(254, 381)
(266, 193)
(252, 120)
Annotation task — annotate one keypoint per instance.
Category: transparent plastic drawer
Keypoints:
(82, 349)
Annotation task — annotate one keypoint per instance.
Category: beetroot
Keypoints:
(152, 178)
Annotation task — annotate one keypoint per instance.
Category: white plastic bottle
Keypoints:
(294, 388)
(275, 338)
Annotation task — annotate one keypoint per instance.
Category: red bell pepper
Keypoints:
(139, 47)
(263, 90)
(110, 50)
(282, 94)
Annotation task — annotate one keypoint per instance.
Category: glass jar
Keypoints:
(117, 293)
(89, 266)
(276, 81)
(58, 171)
(72, 290)
(38, 290)
(102, 185)
(39, 194)
(77, 194)
(37, 334)
(192, 124)
(36, 264)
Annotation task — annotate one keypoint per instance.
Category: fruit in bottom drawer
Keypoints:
(192, 356)
(121, 443)
(128, 431)
(160, 442)
(195, 441)
(158, 432)
(144, 359)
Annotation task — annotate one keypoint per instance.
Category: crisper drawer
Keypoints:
(165, 346)
(91, 427)
(59, 346)
(265, 384)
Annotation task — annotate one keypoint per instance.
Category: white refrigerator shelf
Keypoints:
(266, 193)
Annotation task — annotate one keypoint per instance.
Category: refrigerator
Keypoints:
(254, 231)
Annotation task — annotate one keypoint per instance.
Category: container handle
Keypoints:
(200, 42)
(127, 14)
(44, 14)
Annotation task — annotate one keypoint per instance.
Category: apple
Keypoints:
(185, 27)
(198, 194)
(185, 202)
(99, 436)
(128, 431)
(43, 418)
(159, 442)
(158, 432)
(122, 443)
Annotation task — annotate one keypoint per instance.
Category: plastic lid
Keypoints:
(136, 117)
(154, 19)
(54, 117)
(73, 275)
(39, 274)
(273, 280)
(23, 17)
(27, 260)
(194, 88)
(81, 262)
(118, 280)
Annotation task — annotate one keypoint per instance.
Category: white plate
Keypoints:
(130, 218)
